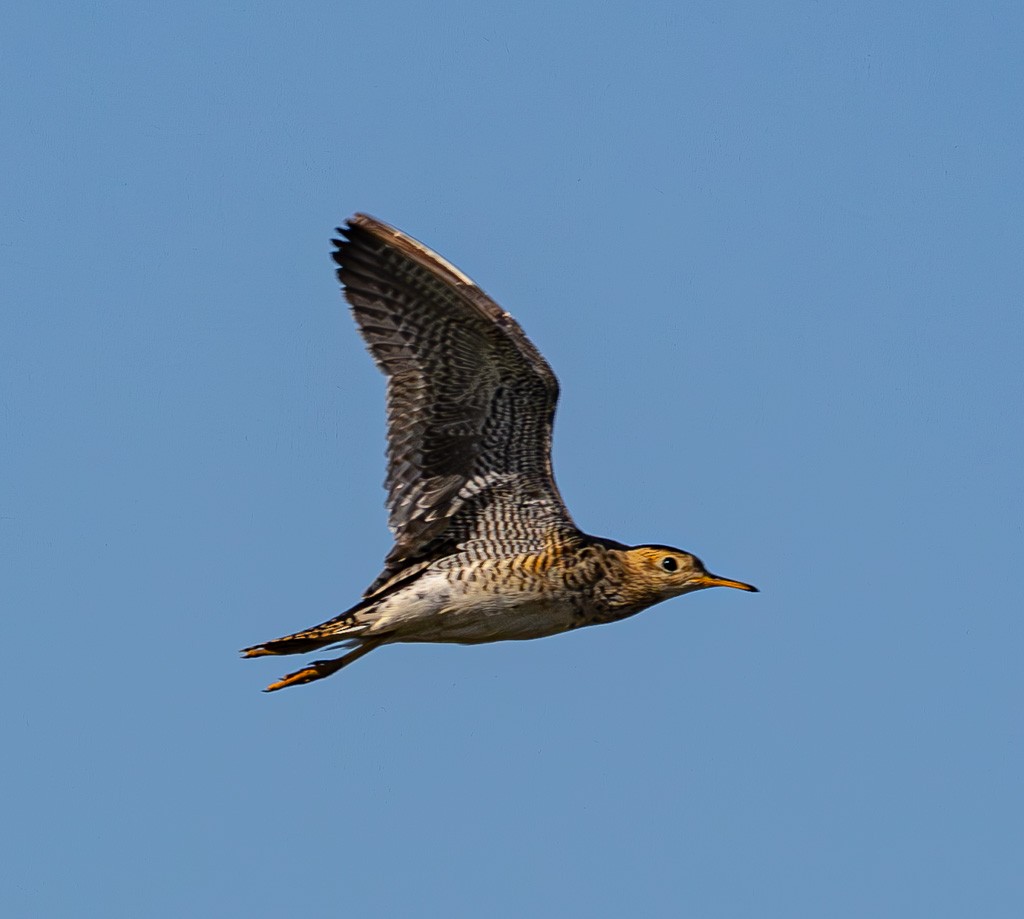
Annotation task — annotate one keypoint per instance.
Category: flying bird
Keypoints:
(484, 547)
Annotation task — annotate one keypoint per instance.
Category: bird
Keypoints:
(484, 547)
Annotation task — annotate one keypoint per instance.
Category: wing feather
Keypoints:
(470, 403)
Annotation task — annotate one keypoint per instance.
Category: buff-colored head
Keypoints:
(657, 573)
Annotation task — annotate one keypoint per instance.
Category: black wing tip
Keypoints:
(347, 233)
(358, 240)
(360, 221)
(355, 226)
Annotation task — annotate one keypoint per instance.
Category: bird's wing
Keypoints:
(470, 402)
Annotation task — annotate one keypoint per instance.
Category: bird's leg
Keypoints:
(319, 669)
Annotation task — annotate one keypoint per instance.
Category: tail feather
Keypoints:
(299, 643)
(345, 631)
(340, 628)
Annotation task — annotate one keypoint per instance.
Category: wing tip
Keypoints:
(356, 225)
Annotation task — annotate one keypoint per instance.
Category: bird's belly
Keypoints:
(484, 622)
(435, 610)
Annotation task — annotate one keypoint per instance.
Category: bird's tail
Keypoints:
(346, 628)
(317, 670)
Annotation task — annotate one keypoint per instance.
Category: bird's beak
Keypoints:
(710, 580)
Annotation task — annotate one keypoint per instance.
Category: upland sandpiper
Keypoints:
(485, 549)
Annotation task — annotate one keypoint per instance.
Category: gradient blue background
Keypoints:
(774, 252)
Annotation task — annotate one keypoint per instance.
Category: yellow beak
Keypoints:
(714, 581)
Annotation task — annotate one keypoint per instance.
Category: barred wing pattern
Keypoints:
(470, 405)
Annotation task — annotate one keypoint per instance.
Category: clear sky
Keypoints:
(773, 252)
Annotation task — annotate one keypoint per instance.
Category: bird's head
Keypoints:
(656, 573)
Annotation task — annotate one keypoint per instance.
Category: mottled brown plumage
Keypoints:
(485, 549)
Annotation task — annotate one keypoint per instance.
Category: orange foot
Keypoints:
(306, 675)
(318, 669)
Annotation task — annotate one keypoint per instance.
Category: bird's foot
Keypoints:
(318, 669)
(315, 671)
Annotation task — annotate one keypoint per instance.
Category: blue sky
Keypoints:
(773, 252)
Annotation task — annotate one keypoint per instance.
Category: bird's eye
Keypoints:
(669, 564)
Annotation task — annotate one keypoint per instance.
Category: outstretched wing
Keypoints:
(470, 403)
